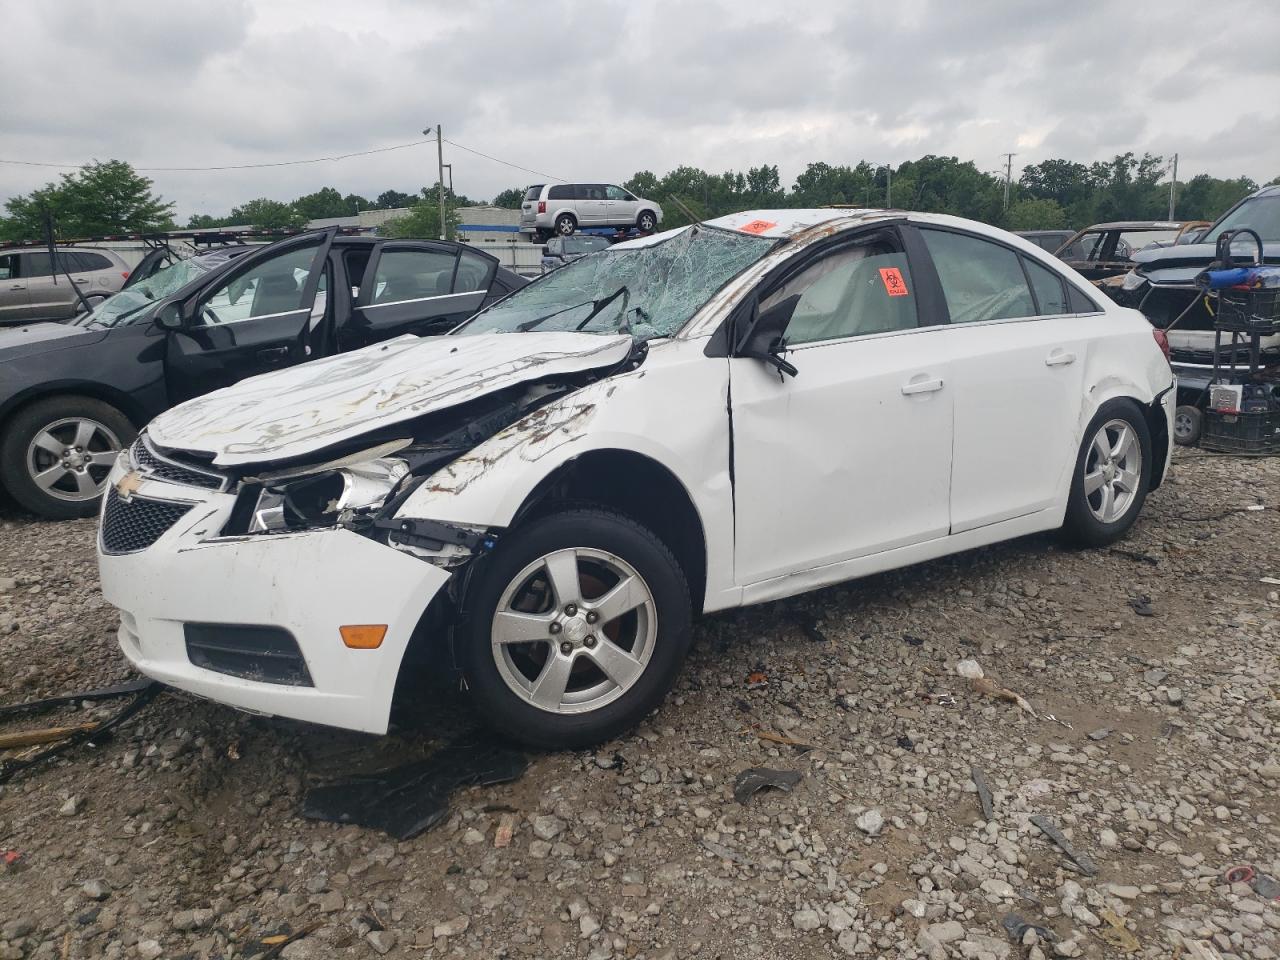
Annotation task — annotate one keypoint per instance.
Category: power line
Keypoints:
(233, 166)
(292, 163)
(536, 173)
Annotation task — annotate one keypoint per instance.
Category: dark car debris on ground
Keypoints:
(186, 834)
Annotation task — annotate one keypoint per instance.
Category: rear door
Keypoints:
(1018, 356)
(593, 206)
(267, 312)
(49, 297)
(419, 287)
(14, 303)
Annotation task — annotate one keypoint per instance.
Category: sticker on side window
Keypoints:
(757, 226)
(894, 285)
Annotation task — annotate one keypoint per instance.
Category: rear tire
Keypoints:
(585, 673)
(1188, 425)
(43, 466)
(1111, 475)
(566, 225)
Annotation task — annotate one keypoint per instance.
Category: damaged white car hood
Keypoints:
(295, 412)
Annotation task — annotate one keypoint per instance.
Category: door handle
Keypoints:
(921, 386)
(1059, 358)
(273, 353)
(16, 286)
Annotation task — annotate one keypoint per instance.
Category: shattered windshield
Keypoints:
(649, 291)
(136, 302)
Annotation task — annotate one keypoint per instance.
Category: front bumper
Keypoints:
(308, 584)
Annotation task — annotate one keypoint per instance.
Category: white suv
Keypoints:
(564, 207)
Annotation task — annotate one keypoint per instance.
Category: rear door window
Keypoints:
(981, 280)
(1087, 247)
(412, 275)
(561, 191)
(36, 265)
(8, 267)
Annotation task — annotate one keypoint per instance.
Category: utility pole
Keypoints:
(888, 186)
(1008, 177)
(1173, 187)
(440, 179)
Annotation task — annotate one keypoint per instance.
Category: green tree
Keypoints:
(1033, 214)
(354, 203)
(822, 185)
(200, 221)
(391, 199)
(510, 199)
(421, 222)
(1206, 198)
(264, 214)
(325, 202)
(99, 198)
(947, 185)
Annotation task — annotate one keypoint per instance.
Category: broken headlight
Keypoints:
(1132, 281)
(326, 498)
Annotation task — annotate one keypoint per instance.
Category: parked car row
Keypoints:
(73, 395)
(723, 414)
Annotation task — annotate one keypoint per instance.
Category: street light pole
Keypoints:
(440, 177)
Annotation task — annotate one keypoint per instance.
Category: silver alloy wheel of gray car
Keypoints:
(647, 221)
(574, 630)
(70, 458)
(1112, 470)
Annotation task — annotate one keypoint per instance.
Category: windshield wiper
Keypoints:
(623, 292)
(538, 321)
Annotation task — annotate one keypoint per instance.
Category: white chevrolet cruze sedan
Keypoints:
(718, 415)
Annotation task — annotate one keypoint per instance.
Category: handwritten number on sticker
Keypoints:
(894, 285)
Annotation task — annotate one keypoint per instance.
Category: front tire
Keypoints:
(55, 454)
(647, 222)
(577, 628)
(1111, 476)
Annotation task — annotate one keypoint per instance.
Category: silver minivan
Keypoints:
(562, 208)
(30, 291)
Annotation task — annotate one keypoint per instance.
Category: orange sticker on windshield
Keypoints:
(757, 226)
(894, 285)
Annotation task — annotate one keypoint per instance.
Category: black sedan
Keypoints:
(73, 394)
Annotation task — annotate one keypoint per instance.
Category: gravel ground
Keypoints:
(183, 837)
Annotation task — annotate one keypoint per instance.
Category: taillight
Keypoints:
(542, 206)
(1162, 341)
(125, 274)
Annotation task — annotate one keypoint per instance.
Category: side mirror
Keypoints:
(169, 317)
(763, 337)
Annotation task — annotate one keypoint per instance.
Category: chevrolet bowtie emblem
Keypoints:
(128, 485)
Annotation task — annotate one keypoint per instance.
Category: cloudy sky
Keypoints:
(597, 90)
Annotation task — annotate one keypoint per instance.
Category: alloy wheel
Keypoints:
(1112, 470)
(574, 630)
(70, 458)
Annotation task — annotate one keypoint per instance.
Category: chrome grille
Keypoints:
(149, 462)
(135, 524)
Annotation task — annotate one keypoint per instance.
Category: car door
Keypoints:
(49, 296)
(852, 455)
(14, 302)
(419, 287)
(622, 206)
(1018, 356)
(592, 206)
(261, 315)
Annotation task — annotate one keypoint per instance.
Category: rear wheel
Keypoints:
(565, 224)
(56, 454)
(1188, 423)
(1112, 474)
(579, 624)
